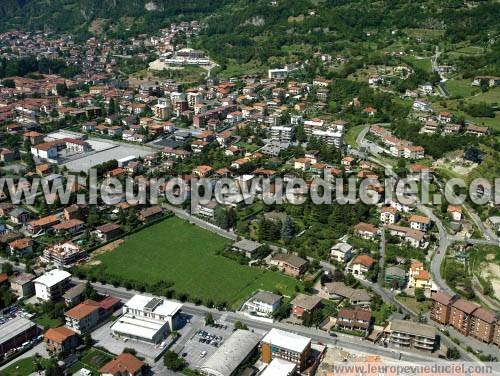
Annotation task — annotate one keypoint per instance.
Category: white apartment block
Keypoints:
(52, 285)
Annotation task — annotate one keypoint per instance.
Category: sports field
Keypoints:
(176, 251)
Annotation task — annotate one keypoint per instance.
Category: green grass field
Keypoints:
(352, 134)
(176, 251)
(460, 88)
(424, 64)
(22, 367)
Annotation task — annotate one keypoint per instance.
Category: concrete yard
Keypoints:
(102, 337)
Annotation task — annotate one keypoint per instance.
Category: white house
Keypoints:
(419, 222)
(263, 303)
(51, 285)
(341, 252)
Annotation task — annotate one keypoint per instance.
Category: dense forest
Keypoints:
(259, 26)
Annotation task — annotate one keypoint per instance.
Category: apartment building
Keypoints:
(461, 315)
(282, 133)
(441, 306)
(411, 334)
(52, 285)
(482, 325)
(83, 317)
(287, 346)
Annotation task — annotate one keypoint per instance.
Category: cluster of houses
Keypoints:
(398, 148)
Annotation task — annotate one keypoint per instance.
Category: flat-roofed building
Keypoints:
(412, 334)
(280, 367)
(287, 346)
(231, 354)
(147, 319)
(15, 332)
(52, 284)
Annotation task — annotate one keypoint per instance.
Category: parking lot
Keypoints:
(203, 342)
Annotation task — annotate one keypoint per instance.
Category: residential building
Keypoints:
(302, 304)
(441, 306)
(247, 247)
(63, 255)
(42, 224)
(108, 231)
(289, 264)
(419, 222)
(354, 319)
(361, 265)
(412, 334)
(388, 215)
(340, 291)
(75, 294)
(263, 303)
(60, 339)
(483, 325)
(341, 252)
(284, 345)
(461, 315)
(150, 214)
(124, 364)
(83, 317)
(395, 276)
(22, 284)
(21, 247)
(366, 230)
(207, 210)
(51, 285)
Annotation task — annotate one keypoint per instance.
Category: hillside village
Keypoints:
(322, 283)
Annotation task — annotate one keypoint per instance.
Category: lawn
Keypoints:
(415, 306)
(176, 251)
(46, 322)
(22, 367)
(420, 63)
(460, 88)
(352, 134)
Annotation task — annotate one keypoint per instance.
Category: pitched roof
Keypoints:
(364, 260)
(82, 310)
(308, 302)
(123, 363)
(465, 306)
(484, 315)
(442, 297)
(59, 334)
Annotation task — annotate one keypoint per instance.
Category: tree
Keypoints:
(172, 361)
(452, 353)
(287, 230)
(52, 369)
(239, 325)
(209, 319)
(419, 294)
(130, 350)
(90, 292)
(7, 268)
(87, 340)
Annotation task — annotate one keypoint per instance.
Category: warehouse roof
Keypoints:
(231, 353)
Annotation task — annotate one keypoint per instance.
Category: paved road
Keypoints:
(348, 342)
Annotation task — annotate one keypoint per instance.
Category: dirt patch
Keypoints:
(106, 248)
(97, 26)
(491, 272)
(490, 256)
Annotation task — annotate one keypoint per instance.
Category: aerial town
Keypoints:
(241, 287)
